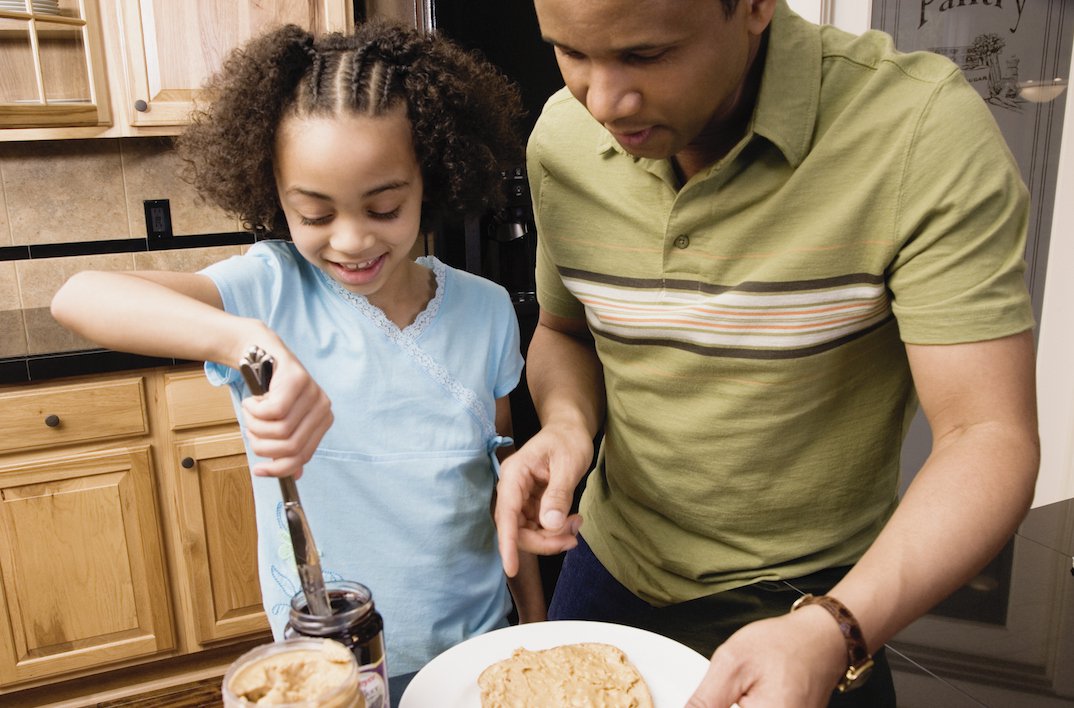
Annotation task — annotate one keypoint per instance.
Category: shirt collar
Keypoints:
(786, 109)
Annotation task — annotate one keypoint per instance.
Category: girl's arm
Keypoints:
(525, 586)
(527, 590)
(159, 313)
(156, 313)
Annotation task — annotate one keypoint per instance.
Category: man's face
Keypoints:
(660, 75)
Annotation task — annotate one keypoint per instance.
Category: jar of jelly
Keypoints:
(354, 623)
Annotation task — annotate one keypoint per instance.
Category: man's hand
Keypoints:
(286, 424)
(535, 493)
(791, 660)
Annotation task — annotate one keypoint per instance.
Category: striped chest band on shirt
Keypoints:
(759, 320)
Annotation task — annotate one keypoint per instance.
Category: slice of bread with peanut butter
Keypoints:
(590, 674)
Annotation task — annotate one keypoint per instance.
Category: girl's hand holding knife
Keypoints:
(286, 424)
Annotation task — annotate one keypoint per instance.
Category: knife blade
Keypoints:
(256, 367)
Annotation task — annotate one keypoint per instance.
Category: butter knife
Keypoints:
(256, 367)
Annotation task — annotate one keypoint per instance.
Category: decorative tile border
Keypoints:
(14, 253)
(129, 245)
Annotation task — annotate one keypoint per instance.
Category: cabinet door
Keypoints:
(172, 47)
(53, 65)
(82, 581)
(219, 537)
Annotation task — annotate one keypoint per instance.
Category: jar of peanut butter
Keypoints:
(294, 673)
(354, 623)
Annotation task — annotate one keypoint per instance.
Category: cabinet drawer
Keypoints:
(193, 402)
(60, 415)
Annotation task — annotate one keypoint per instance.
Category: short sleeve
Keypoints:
(552, 294)
(960, 275)
(247, 285)
(509, 371)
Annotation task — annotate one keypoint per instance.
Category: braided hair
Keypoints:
(464, 114)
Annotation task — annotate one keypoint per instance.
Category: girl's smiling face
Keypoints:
(351, 190)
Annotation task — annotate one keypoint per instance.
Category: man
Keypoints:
(760, 244)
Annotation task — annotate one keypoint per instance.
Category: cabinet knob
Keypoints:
(187, 462)
(141, 106)
(52, 421)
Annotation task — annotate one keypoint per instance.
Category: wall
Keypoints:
(56, 195)
(851, 15)
(1055, 348)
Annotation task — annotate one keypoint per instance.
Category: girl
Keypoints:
(389, 397)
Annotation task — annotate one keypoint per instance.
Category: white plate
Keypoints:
(672, 670)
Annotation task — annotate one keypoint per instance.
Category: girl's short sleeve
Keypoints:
(509, 372)
(249, 286)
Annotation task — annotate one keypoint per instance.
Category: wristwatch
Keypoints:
(859, 663)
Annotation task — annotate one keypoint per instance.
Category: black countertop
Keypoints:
(43, 367)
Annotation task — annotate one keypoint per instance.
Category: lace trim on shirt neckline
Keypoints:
(377, 316)
(407, 338)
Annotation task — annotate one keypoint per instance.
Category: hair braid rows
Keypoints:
(465, 115)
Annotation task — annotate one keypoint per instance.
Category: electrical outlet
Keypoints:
(158, 219)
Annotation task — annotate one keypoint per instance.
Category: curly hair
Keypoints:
(465, 115)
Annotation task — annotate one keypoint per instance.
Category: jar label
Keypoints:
(373, 680)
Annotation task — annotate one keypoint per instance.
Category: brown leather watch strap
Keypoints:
(859, 663)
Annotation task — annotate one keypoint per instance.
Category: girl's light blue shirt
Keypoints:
(398, 491)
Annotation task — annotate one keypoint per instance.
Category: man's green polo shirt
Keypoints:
(750, 324)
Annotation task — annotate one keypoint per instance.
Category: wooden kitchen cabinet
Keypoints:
(127, 533)
(172, 47)
(131, 67)
(82, 578)
(54, 66)
(215, 510)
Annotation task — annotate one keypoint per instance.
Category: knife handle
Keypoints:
(256, 367)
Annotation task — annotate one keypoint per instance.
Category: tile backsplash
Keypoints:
(39, 279)
(75, 191)
(12, 324)
(66, 191)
